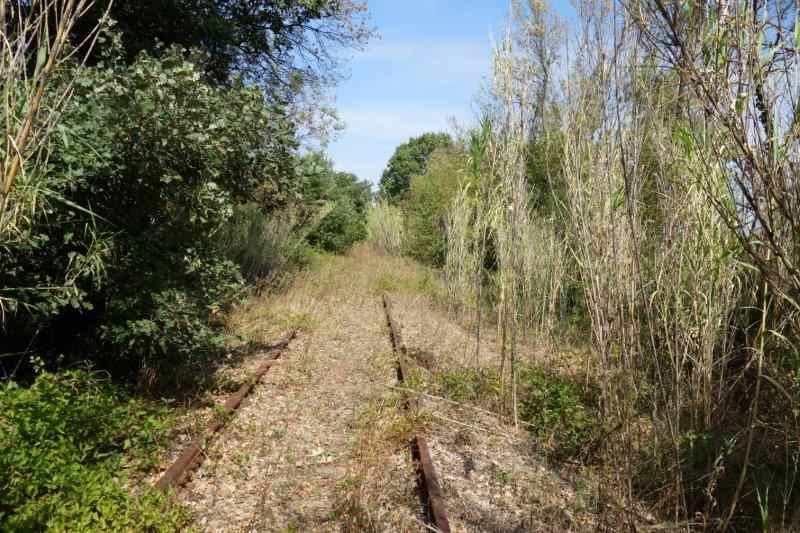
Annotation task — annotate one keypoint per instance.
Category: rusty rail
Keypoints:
(177, 474)
(429, 481)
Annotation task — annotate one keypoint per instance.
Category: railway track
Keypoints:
(192, 456)
(180, 471)
(433, 497)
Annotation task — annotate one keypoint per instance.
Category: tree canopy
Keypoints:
(290, 48)
(410, 159)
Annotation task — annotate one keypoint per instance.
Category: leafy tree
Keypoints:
(428, 200)
(291, 48)
(410, 159)
(348, 200)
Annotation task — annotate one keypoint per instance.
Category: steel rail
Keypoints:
(429, 481)
(191, 457)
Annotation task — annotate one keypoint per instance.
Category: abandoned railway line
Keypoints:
(192, 456)
(433, 505)
(346, 426)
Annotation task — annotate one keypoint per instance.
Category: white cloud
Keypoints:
(398, 122)
(447, 60)
(374, 132)
(405, 88)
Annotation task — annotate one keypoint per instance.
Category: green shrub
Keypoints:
(341, 228)
(347, 199)
(66, 443)
(427, 203)
(468, 384)
(557, 409)
(145, 171)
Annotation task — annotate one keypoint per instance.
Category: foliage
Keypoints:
(410, 159)
(557, 410)
(291, 48)
(425, 209)
(341, 228)
(161, 159)
(328, 212)
(468, 384)
(348, 198)
(261, 38)
(63, 447)
(133, 207)
(29, 60)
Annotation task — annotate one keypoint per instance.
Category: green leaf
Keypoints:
(797, 33)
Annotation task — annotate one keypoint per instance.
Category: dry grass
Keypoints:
(323, 443)
(385, 228)
(380, 473)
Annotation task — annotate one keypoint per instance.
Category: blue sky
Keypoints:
(425, 69)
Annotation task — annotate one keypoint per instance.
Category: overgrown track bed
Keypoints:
(178, 473)
(426, 472)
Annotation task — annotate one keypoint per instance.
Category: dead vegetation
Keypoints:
(324, 443)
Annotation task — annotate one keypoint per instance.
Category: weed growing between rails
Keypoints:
(379, 474)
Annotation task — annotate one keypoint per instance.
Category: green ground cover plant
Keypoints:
(559, 411)
(70, 442)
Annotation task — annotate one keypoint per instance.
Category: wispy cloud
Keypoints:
(423, 74)
(399, 122)
(445, 60)
(373, 132)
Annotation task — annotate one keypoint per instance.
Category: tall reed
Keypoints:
(385, 227)
(657, 260)
(34, 46)
(499, 249)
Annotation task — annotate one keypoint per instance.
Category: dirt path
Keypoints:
(322, 444)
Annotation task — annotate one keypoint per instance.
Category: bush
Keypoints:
(347, 198)
(65, 445)
(146, 169)
(557, 409)
(427, 204)
(344, 226)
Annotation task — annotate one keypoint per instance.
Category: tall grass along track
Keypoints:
(178, 473)
(428, 480)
